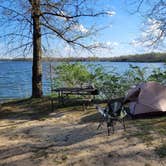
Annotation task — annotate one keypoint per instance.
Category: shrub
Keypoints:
(110, 84)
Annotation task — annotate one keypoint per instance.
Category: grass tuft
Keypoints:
(161, 150)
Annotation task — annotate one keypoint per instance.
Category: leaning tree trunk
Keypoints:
(37, 53)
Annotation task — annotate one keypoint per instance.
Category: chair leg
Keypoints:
(101, 123)
(108, 130)
(110, 125)
(113, 129)
(123, 123)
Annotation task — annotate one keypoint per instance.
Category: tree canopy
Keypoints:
(154, 27)
(30, 26)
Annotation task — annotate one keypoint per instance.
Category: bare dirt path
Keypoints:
(70, 137)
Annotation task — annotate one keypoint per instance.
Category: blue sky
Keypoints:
(125, 28)
(122, 29)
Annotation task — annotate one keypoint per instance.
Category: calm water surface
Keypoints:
(15, 76)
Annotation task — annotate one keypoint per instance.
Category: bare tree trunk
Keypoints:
(37, 53)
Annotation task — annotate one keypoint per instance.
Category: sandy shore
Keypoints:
(70, 137)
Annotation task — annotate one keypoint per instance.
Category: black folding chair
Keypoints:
(114, 112)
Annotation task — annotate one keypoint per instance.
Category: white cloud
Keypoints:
(135, 43)
(62, 15)
(153, 28)
(111, 13)
(151, 35)
(113, 44)
(108, 43)
(110, 26)
(96, 44)
(80, 28)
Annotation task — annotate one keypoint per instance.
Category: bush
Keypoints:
(111, 85)
(158, 75)
(78, 74)
(70, 74)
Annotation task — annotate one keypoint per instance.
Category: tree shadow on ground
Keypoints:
(54, 137)
(33, 153)
(71, 137)
(95, 117)
(34, 109)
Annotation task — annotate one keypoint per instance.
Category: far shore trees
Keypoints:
(27, 26)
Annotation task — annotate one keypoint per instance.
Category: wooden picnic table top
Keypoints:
(83, 91)
(75, 90)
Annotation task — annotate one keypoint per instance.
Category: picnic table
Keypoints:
(85, 92)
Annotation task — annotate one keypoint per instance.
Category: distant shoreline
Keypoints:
(148, 57)
(62, 60)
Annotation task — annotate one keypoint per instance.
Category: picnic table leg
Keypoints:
(62, 98)
(52, 104)
(59, 97)
(84, 107)
(93, 98)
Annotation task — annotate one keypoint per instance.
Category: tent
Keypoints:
(147, 98)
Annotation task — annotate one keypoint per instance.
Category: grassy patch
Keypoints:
(149, 129)
(61, 158)
(142, 132)
(161, 150)
(36, 109)
(142, 135)
(147, 164)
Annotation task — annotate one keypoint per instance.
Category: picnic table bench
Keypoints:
(81, 91)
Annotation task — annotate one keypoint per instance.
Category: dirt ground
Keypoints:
(68, 137)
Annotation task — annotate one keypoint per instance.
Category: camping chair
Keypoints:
(114, 112)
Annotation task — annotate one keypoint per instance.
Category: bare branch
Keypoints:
(17, 13)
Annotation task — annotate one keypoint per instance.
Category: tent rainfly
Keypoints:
(147, 98)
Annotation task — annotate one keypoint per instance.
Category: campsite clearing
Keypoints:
(32, 135)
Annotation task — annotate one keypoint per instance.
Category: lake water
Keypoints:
(15, 76)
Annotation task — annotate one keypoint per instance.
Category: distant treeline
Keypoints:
(147, 57)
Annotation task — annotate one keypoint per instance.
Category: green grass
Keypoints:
(149, 129)
(143, 135)
(147, 164)
(161, 150)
